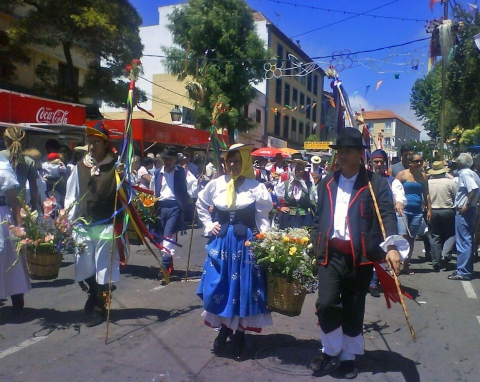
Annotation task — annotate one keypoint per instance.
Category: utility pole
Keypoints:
(444, 72)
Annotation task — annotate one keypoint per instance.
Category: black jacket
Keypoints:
(362, 221)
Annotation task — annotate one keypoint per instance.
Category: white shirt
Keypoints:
(345, 187)
(251, 191)
(167, 190)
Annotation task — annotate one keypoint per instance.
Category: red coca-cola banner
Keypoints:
(23, 108)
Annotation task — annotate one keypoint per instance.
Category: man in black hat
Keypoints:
(171, 190)
(346, 234)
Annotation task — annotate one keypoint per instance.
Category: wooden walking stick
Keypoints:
(191, 240)
(397, 284)
(112, 249)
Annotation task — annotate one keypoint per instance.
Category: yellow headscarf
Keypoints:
(247, 170)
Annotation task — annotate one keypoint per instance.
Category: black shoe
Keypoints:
(239, 349)
(348, 370)
(324, 364)
(446, 259)
(374, 292)
(437, 267)
(221, 340)
(95, 318)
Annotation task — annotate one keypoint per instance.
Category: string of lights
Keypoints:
(343, 20)
(346, 12)
(308, 58)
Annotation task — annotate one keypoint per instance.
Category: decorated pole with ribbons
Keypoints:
(125, 190)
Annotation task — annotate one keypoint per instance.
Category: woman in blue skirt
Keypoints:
(233, 286)
(296, 197)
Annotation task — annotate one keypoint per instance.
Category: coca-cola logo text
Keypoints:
(48, 115)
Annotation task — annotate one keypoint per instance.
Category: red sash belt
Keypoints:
(343, 246)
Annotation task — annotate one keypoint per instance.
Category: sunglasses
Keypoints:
(418, 161)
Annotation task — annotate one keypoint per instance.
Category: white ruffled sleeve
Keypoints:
(398, 192)
(279, 190)
(8, 179)
(72, 194)
(204, 201)
(263, 205)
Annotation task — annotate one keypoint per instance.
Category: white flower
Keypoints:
(273, 248)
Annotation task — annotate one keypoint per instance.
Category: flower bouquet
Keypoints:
(45, 239)
(287, 258)
(144, 205)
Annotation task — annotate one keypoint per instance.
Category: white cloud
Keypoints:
(358, 103)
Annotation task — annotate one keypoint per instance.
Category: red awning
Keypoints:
(160, 132)
(23, 108)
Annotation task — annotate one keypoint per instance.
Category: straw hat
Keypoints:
(316, 159)
(438, 167)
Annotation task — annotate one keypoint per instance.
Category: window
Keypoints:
(315, 84)
(286, 99)
(278, 91)
(286, 122)
(303, 80)
(387, 143)
(288, 62)
(302, 103)
(314, 111)
(309, 82)
(294, 128)
(245, 111)
(258, 116)
(308, 107)
(307, 129)
(279, 55)
(300, 127)
(388, 126)
(370, 127)
(276, 130)
(294, 97)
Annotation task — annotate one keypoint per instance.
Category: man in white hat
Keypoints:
(441, 226)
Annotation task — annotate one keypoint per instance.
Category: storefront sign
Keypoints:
(317, 145)
(23, 108)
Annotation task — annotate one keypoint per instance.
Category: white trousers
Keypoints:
(96, 259)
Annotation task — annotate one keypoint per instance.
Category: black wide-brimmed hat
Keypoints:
(349, 137)
(170, 152)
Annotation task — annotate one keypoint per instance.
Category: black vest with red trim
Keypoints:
(363, 225)
(97, 194)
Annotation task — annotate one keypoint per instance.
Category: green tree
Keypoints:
(462, 88)
(105, 31)
(216, 43)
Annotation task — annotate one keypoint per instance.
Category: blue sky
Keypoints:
(322, 29)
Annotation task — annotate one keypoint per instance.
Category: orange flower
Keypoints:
(247, 244)
(260, 236)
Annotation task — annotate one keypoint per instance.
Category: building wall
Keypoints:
(25, 73)
(290, 98)
(395, 132)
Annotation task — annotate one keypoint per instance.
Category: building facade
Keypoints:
(286, 110)
(389, 131)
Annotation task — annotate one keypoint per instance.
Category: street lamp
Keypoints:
(176, 114)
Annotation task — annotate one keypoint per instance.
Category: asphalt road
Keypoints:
(156, 329)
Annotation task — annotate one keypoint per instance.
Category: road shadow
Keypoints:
(52, 283)
(385, 361)
(143, 272)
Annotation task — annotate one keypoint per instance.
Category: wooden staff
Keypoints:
(109, 295)
(191, 240)
(194, 216)
(399, 291)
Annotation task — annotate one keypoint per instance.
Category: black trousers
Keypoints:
(441, 228)
(342, 291)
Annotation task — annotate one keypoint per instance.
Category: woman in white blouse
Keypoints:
(233, 286)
